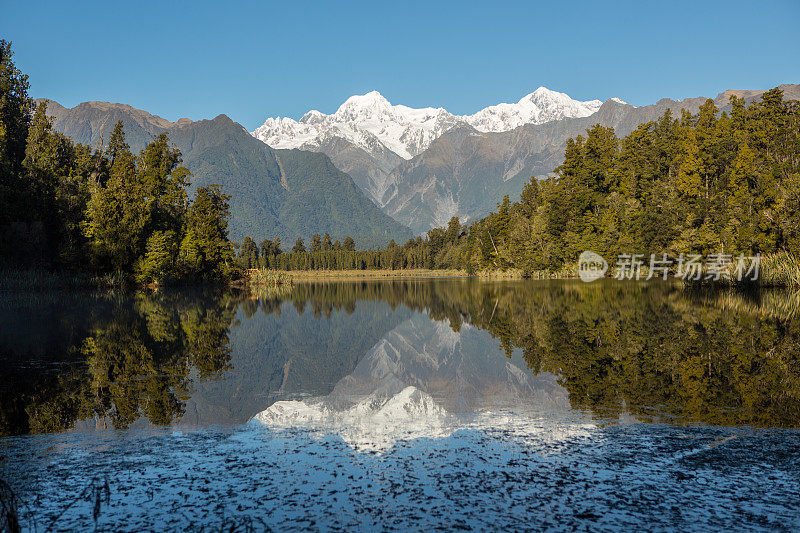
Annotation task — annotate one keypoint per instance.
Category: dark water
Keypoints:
(428, 404)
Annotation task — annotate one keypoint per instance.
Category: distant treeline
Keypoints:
(436, 250)
(699, 184)
(69, 206)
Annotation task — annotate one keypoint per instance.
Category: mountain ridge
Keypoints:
(284, 193)
(367, 136)
(466, 173)
(408, 131)
(462, 171)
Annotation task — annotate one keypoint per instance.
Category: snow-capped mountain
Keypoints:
(371, 123)
(538, 107)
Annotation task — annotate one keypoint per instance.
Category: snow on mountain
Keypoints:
(370, 122)
(540, 106)
(362, 119)
(375, 422)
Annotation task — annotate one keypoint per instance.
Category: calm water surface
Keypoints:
(426, 404)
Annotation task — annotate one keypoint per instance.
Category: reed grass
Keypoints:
(263, 278)
(779, 269)
(565, 272)
(40, 279)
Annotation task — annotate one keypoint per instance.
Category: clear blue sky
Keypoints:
(251, 60)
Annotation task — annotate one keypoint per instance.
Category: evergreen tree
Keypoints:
(205, 250)
(248, 255)
(316, 243)
(119, 215)
(160, 256)
(454, 229)
(15, 116)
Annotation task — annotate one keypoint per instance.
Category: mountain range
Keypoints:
(423, 166)
(417, 381)
(284, 193)
(368, 131)
(371, 169)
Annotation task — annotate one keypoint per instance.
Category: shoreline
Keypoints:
(299, 276)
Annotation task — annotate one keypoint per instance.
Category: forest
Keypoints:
(104, 212)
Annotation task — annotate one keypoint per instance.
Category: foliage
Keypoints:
(68, 206)
(705, 183)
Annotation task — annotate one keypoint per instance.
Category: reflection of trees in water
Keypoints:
(649, 349)
(136, 361)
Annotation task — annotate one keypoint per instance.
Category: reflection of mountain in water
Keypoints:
(647, 350)
(423, 379)
(284, 353)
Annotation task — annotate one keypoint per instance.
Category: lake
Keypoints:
(404, 404)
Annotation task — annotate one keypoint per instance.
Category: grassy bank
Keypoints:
(777, 269)
(314, 275)
(268, 278)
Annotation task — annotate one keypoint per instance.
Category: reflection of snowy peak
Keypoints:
(375, 421)
(370, 122)
(422, 380)
(461, 370)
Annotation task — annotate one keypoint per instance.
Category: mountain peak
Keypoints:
(372, 123)
(371, 101)
(540, 106)
(544, 91)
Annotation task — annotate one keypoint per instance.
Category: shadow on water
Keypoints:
(648, 350)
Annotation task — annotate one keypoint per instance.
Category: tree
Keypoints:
(160, 256)
(789, 214)
(326, 242)
(316, 243)
(205, 250)
(15, 116)
(163, 180)
(349, 244)
(453, 230)
(299, 247)
(122, 161)
(248, 255)
(266, 248)
(48, 161)
(119, 214)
